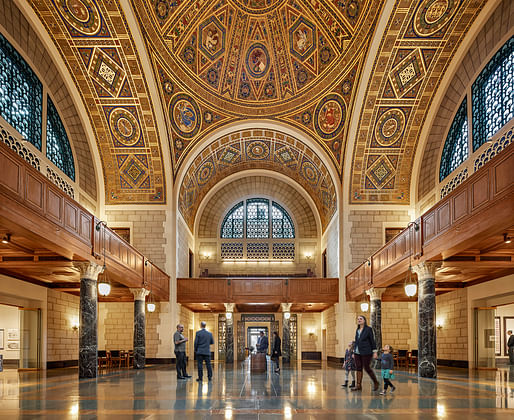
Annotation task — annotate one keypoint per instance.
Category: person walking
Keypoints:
(365, 349)
(262, 343)
(349, 365)
(387, 364)
(276, 352)
(510, 345)
(180, 352)
(203, 341)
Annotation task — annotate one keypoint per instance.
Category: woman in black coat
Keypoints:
(365, 349)
(276, 352)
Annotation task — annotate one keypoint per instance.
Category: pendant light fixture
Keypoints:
(150, 304)
(104, 286)
(411, 286)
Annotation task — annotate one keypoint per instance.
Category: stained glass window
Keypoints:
(456, 149)
(257, 218)
(58, 148)
(21, 94)
(232, 226)
(493, 95)
(282, 225)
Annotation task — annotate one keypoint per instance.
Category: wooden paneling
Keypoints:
(479, 191)
(325, 290)
(54, 205)
(202, 290)
(503, 175)
(34, 191)
(11, 174)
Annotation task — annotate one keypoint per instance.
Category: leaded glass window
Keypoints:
(21, 94)
(58, 148)
(232, 226)
(456, 149)
(257, 218)
(282, 225)
(493, 95)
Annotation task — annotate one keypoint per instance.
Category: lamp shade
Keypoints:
(411, 289)
(228, 315)
(364, 306)
(104, 288)
(287, 315)
(150, 306)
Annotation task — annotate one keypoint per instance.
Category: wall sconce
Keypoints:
(75, 326)
(7, 238)
(206, 255)
(506, 238)
(364, 306)
(308, 255)
(439, 324)
(228, 315)
(287, 315)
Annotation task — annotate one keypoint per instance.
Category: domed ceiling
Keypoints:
(222, 61)
(297, 62)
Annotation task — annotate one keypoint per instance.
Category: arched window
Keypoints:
(58, 148)
(261, 219)
(21, 94)
(456, 149)
(493, 95)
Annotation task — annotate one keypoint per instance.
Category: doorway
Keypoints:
(253, 335)
(324, 344)
(485, 338)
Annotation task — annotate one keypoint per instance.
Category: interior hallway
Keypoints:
(312, 391)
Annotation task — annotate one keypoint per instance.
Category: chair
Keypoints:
(413, 358)
(402, 358)
(103, 359)
(128, 357)
(115, 357)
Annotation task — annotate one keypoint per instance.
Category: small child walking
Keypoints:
(387, 364)
(349, 365)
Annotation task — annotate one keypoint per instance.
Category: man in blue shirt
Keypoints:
(262, 343)
(203, 341)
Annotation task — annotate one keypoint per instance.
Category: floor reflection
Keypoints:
(303, 391)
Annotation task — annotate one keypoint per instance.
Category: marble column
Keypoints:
(427, 351)
(88, 315)
(286, 333)
(229, 339)
(139, 327)
(375, 311)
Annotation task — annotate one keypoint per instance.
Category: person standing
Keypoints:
(276, 352)
(349, 365)
(365, 349)
(262, 343)
(180, 352)
(510, 345)
(387, 365)
(203, 341)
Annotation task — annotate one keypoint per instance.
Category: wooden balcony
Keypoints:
(48, 230)
(258, 294)
(465, 231)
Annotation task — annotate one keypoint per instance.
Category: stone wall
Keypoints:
(153, 340)
(367, 233)
(329, 322)
(118, 319)
(147, 228)
(62, 315)
(184, 244)
(311, 323)
(331, 244)
(452, 315)
(399, 325)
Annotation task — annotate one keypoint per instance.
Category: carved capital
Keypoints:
(375, 293)
(286, 307)
(88, 270)
(140, 294)
(426, 270)
(229, 307)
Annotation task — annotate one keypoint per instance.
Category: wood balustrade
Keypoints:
(471, 219)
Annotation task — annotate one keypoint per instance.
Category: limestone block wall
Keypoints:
(399, 325)
(147, 227)
(330, 242)
(62, 315)
(452, 314)
(153, 340)
(187, 318)
(118, 320)
(367, 232)
(329, 323)
(185, 242)
(311, 323)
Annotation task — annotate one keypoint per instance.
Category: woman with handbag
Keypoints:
(365, 349)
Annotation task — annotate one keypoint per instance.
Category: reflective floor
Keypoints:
(310, 391)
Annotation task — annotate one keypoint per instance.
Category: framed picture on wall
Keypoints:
(497, 336)
(508, 324)
(13, 334)
(1, 339)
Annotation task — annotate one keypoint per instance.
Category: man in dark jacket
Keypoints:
(262, 343)
(203, 341)
(276, 351)
(510, 345)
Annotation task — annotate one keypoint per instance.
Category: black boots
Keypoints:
(352, 385)
(345, 384)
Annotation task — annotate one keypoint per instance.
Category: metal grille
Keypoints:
(493, 95)
(496, 147)
(283, 251)
(282, 225)
(456, 149)
(19, 148)
(21, 94)
(293, 328)
(257, 251)
(58, 148)
(257, 218)
(232, 250)
(222, 337)
(232, 226)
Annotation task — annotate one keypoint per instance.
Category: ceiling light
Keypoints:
(411, 289)
(287, 315)
(507, 239)
(228, 315)
(6, 239)
(364, 306)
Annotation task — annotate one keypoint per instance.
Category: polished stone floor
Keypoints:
(309, 391)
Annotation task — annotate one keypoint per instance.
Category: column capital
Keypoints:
(286, 307)
(375, 293)
(229, 307)
(88, 270)
(427, 269)
(139, 294)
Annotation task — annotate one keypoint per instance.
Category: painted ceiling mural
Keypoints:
(296, 61)
(94, 40)
(419, 42)
(257, 149)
